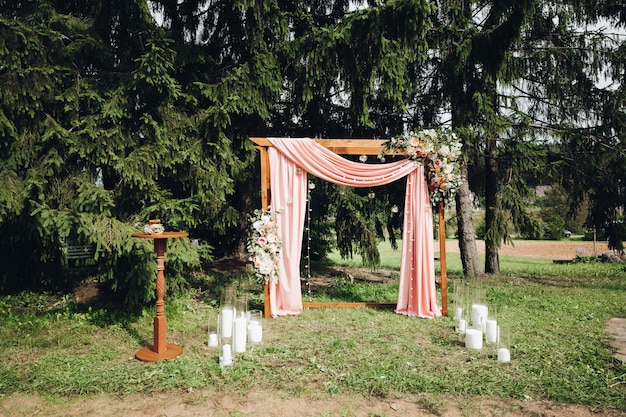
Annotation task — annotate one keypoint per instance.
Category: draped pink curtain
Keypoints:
(288, 184)
(417, 293)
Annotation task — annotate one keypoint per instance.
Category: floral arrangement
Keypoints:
(154, 228)
(438, 152)
(264, 244)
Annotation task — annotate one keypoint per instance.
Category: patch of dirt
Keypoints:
(270, 403)
(324, 275)
(616, 328)
(545, 249)
(86, 293)
(227, 265)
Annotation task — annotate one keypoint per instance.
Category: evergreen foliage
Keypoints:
(108, 121)
(517, 74)
(109, 118)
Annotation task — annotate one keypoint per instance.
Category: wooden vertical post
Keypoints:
(442, 258)
(265, 198)
(265, 177)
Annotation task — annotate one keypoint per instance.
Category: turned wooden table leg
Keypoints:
(160, 320)
(160, 349)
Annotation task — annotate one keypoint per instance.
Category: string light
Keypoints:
(309, 209)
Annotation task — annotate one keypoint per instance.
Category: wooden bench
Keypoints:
(77, 255)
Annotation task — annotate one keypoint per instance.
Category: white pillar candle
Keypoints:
(479, 316)
(460, 328)
(491, 333)
(255, 332)
(213, 340)
(227, 321)
(473, 339)
(458, 313)
(504, 355)
(227, 356)
(239, 338)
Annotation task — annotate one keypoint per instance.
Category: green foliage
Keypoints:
(481, 231)
(103, 127)
(321, 229)
(355, 226)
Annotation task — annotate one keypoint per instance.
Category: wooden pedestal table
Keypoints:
(160, 350)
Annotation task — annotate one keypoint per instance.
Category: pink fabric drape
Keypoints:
(288, 184)
(325, 164)
(417, 294)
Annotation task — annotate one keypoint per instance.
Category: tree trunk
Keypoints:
(492, 260)
(467, 237)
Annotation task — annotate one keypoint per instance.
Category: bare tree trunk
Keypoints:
(492, 260)
(467, 237)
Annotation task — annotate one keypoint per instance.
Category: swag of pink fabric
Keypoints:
(290, 161)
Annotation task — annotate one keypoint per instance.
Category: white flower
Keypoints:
(430, 133)
(258, 225)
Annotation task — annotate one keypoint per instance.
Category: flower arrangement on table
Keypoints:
(154, 227)
(439, 152)
(264, 245)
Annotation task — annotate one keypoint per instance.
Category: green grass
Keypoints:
(55, 347)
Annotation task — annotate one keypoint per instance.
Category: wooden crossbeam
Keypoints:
(339, 146)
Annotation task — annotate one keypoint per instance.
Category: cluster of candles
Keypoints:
(235, 327)
(478, 322)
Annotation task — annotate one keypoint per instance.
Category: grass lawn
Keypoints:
(59, 348)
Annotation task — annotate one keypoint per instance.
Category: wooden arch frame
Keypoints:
(349, 147)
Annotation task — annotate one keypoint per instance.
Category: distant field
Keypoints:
(512, 257)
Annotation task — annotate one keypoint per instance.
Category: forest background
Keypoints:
(113, 113)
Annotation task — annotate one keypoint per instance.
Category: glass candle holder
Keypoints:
(229, 295)
(213, 331)
(491, 326)
(255, 326)
(226, 352)
(240, 325)
(226, 321)
(460, 302)
(473, 339)
(479, 309)
(504, 344)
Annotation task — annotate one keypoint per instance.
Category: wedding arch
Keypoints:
(285, 163)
